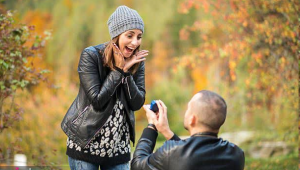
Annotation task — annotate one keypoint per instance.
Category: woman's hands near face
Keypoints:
(118, 57)
(126, 64)
(136, 58)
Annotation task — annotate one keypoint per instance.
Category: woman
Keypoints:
(100, 122)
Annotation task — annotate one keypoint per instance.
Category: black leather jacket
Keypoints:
(194, 153)
(99, 89)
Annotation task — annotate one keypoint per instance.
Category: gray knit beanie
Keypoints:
(124, 19)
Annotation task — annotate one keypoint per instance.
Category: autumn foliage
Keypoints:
(255, 44)
(245, 50)
(17, 46)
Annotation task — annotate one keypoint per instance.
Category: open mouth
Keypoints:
(128, 49)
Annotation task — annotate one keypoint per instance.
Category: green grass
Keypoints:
(289, 162)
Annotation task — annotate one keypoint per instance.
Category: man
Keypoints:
(205, 115)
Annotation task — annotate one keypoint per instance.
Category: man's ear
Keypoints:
(193, 120)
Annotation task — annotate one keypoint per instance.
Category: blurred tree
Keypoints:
(251, 47)
(18, 44)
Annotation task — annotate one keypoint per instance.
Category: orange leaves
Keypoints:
(258, 58)
(197, 4)
(39, 23)
(199, 78)
(160, 56)
(232, 65)
(128, 3)
(157, 68)
(185, 61)
(233, 4)
(184, 34)
(68, 4)
(205, 5)
(42, 21)
(251, 33)
(204, 37)
(245, 23)
(283, 62)
(186, 6)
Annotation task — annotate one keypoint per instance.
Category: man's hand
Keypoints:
(162, 124)
(151, 116)
(160, 120)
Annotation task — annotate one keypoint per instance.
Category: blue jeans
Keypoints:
(82, 165)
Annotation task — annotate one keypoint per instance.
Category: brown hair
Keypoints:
(212, 109)
(109, 55)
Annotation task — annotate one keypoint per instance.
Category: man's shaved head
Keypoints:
(209, 108)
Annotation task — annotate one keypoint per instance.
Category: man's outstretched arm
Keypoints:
(144, 149)
(144, 158)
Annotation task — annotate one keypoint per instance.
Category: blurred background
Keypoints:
(247, 51)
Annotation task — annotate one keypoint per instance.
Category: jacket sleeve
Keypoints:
(175, 137)
(134, 87)
(144, 158)
(99, 93)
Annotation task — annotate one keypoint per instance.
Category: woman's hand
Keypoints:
(118, 57)
(136, 58)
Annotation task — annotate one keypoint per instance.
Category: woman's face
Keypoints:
(129, 41)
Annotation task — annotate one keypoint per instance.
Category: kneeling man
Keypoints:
(203, 118)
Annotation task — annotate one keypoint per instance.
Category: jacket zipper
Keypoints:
(116, 88)
(80, 114)
(112, 111)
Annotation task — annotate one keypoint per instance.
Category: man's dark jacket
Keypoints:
(99, 89)
(194, 153)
